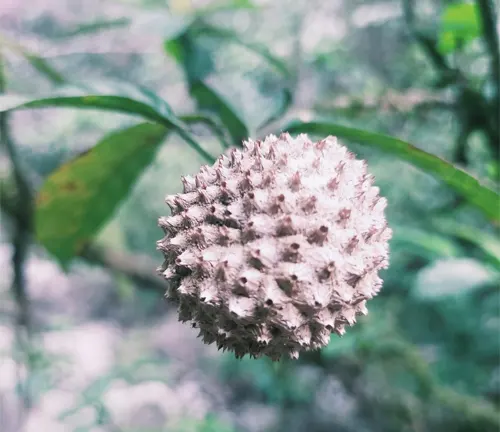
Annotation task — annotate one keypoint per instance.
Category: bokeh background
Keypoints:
(92, 345)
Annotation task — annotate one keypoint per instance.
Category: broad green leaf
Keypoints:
(122, 98)
(487, 200)
(460, 24)
(81, 195)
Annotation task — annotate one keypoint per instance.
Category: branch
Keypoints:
(23, 213)
(429, 45)
(473, 109)
(141, 269)
(490, 37)
(21, 238)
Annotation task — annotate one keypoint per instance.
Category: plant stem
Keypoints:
(140, 269)
(490, 37)
(191, 140)
(21, 240)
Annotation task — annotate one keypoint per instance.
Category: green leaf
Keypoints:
(122, 98)
(281, 67)
(208, 99)
(209, 122)
(174, 49)
(187, 8)
(197, 63)
(91, 27)
(187, 49)
(233, 37)
(44, 68)
(227, 6)
(118, 98)
(38, 63)
(485, 199)
(3, 77)
(243, 4)
(81, 195)
(460, 24)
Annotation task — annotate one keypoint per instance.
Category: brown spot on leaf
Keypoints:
(69, 186)
(42, 199)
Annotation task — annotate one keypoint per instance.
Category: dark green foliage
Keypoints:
(197, 62)
(425, 357)
(460, 24)
(81, 195)
(121, 98)
(191, 50)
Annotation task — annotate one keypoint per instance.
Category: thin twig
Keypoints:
(191, 141)
(20, 241)
(428, 45)
(472, 108)
(209, 122)
(490, 37)
(141, 269)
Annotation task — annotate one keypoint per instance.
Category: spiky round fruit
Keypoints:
(275, 247)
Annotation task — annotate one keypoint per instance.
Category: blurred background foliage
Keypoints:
(136, 93)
